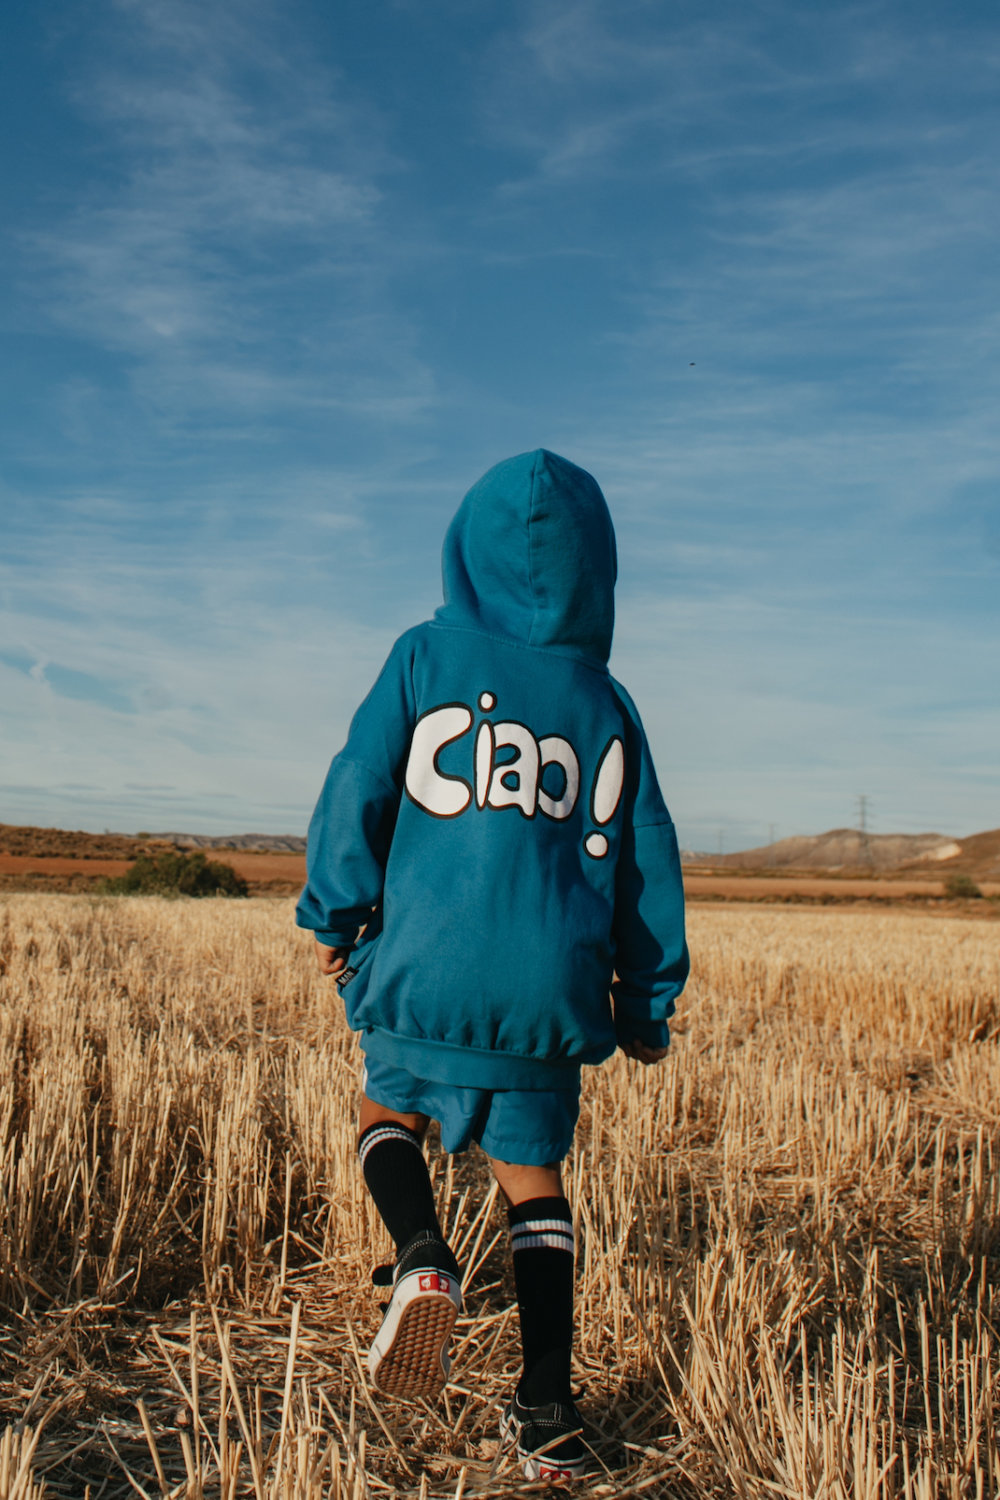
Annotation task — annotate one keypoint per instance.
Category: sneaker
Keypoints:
(548, 1439)
(409, 1357)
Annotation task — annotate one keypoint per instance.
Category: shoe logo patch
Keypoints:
(435, 1283)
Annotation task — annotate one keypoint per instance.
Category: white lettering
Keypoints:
(515, 782)
(555, 751)
(502, 779)
(444, 796)
(484, 760)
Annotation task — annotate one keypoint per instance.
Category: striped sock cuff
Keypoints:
(542, 1224)
(542, 1234)
(377, 1135)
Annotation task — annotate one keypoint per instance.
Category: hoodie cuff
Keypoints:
(650, 1033)
(343, 939)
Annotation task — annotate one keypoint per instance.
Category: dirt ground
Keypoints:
(266, 874)
(763, 887)
(278, 874)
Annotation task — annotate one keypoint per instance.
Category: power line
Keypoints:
(866, 848)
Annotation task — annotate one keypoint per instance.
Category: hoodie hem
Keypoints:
(469, 1067)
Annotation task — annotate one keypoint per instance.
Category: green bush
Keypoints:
(961, 886)
(176, 874)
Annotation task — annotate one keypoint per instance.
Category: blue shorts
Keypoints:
(530, 1127)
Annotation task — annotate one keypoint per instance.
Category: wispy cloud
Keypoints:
(597, 89)
(298, 275)
(142, 679)
(244, 191)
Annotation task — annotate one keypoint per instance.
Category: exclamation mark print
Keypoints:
(605, 797)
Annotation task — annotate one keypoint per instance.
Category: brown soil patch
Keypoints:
(21, 869)
(88, 869)
(782, 888)
(263, 867)
(826, 891)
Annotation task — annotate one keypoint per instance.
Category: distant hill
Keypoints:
(57, 859)
(844, 849)
(22, 839)
(979, 857)
(273, 843)
(847, 851)
(841, 851)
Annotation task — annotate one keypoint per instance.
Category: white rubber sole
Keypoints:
(409, 1357)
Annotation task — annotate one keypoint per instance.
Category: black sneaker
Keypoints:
(409, 1357)
(548, 1439)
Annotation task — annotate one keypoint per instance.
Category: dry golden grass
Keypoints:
(789, 1234)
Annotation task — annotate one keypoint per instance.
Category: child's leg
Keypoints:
(389, 1147)
(409, 1358)
(541, 1230)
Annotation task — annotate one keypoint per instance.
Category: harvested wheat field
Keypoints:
(789, 1234)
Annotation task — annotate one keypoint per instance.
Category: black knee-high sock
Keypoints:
(541, 1236)
(397, 1177)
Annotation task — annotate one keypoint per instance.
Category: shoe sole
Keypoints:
(539, 1465)
(408, 1358)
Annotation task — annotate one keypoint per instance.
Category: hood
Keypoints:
(531, 556)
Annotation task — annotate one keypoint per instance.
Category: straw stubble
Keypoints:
(788, 1233)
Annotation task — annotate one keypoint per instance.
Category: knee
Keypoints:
(378, 1114)
(520, 1182)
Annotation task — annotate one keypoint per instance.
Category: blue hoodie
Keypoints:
(494, 821)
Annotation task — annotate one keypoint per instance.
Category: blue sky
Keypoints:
(279, 282)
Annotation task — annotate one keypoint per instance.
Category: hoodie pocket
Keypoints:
(353, 981)
(360, 959)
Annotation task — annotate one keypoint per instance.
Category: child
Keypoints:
(490, 861)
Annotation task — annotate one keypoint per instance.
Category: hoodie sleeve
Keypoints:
(651, 955)
(351, 828)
